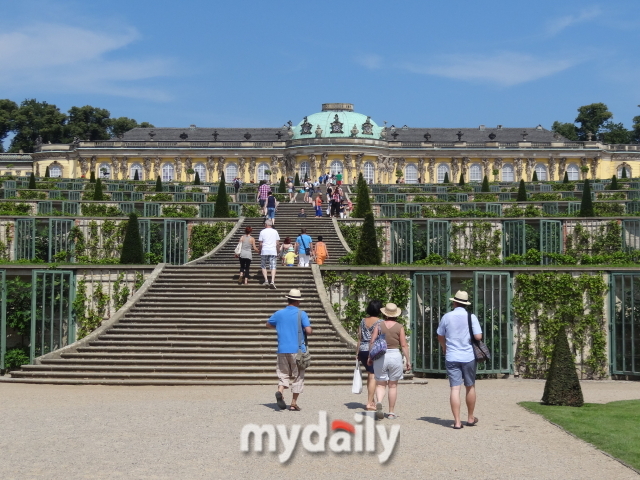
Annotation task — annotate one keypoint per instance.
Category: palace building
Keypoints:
(339, 140)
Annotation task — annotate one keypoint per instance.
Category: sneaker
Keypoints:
(273, 285)
(266, 284)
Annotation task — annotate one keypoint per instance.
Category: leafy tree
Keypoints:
(136, 177)
(19, 308)
(522, 192)
(33, 119)
(282, 188)
(132, 250)
(32, 181)
(196, 180)
(158, 184)
(7, 110)
(535, 176)
(586, 206)
(363, 202)
(368, 252)
(118, 126)
(98, 196)
(446, 177)
(562, 386)
(566, 177)
(92, 177)
(461, 182)
(614, 183)
(615, 133)
(567, 130)
(485, 185)
(591, 119)
(47, 174)
(221, 209)
(87, 123)
(635, 133)
(296, 182)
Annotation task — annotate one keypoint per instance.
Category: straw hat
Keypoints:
(461, 297)
(294, 294)
(391, 310)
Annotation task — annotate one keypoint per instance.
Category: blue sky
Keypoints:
(257, 63)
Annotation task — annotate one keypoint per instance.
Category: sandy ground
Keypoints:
(194, 432)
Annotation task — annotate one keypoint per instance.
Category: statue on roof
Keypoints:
(318, 132)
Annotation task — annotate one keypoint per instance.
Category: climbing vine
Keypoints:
(475, 243)
(544, 302)
(205, 237)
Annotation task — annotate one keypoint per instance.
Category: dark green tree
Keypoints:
(296, 182)
(522, 192)
(136, 177)
(98, 196)
(591, 119)
(132, 251)
(47, 174)
(368, 252)
(635, 132)
(119, 126)
(535, 176)
(196, 180)
(87, 123)
(624, 173)
(614, 183)
(567, 130)
(158, 184)
(34, 119)
(446, 177)
(461, 182)
(7, 109)
(363, 202)
(221, 209)
(32, 181)
(616, 133)
(485, 185)
(562, 386)
(566, 177)
(92, 177)
(586, 206)
(282, 188)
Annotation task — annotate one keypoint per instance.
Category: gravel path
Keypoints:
(194, 432)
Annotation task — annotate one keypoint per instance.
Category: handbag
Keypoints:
(356, 386)
(238, 249)
(379, 346)
(303, 359)
(480, 350)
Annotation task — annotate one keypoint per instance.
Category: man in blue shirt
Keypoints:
(303, 248)
(290, 341)
(460, 361)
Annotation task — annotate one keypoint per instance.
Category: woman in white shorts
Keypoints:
(388, 367)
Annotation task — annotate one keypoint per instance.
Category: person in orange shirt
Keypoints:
(320, 251)
(319, 205)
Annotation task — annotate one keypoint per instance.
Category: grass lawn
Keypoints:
(612, 427)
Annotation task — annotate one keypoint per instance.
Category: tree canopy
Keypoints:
(594, 122)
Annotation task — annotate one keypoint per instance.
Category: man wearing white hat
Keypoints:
(460, 361)
(292, 325)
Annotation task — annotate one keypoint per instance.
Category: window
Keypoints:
(55, 171)
(104, 171)
(230, 172)
(136, 167)
(507, 172)
(628, 172)
(573, 172)
(304, 171)
(442, 169)
(541, 172)
(475, 173)
(336, 167)
(262, 168)
(167, 172)
(200, 169)
(411, 173)
(369, 171)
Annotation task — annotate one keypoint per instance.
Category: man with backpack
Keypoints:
(304, 246)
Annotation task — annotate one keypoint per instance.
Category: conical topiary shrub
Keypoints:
(614, 183)
(296, 182)
(461, 182)
(566, 177)
(446, 177)
(485, 185)
(46, 173)
(92, 177)
(368, 252)
(32, 181)
(97, 193)
(522, 192)
(586, 206)
(535, 176)
(132, 250)
(136, 177)
(222, 201)
(624, 173)
(363, 202)
(282, 188)
(158, 184)
(196, 179)
(562, 386)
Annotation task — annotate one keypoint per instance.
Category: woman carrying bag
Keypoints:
(246, 244)
(365, 330)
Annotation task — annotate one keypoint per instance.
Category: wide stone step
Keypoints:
(143, 381)
(207, 349)
(328, 375)
(222, 358)
(270, 362)
(183, 369)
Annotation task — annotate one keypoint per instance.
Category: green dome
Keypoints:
(336, 120)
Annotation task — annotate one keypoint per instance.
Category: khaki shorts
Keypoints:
(287, 369)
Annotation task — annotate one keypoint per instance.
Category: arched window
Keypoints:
(200, 169)
(262, 168)
(411, 173)
(573, 172)
(541, 172)
(336, 167)
(369, 171)
(475, 173)
(442, 169)
(55, 171)
(167, 172)
(304, 171)
(104, 171)
(135, 167)
(230, 172)
(507, 172)
(620, 168)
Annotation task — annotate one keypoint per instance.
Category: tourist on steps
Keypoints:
(319, 205)
(272, 206)
(269, 244)
(284, 248)
(367, 325)
(304, 247)
(263, 192)
(302, 214)
(248, 244)
(292, 326)
(320, 251)
(291, 191)
(388, 367)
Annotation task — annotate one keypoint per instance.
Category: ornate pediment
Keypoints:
(305, 128)
(336, 125)
(367, 127)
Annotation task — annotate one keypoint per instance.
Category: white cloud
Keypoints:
(370, 61)
(63, 58)
(557, 25)
(505, 69)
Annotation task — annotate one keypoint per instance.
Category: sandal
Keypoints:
(391, 416)
(280, 401)
(379, 413)
(473, 424)
(458, 428)
(294, 408)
